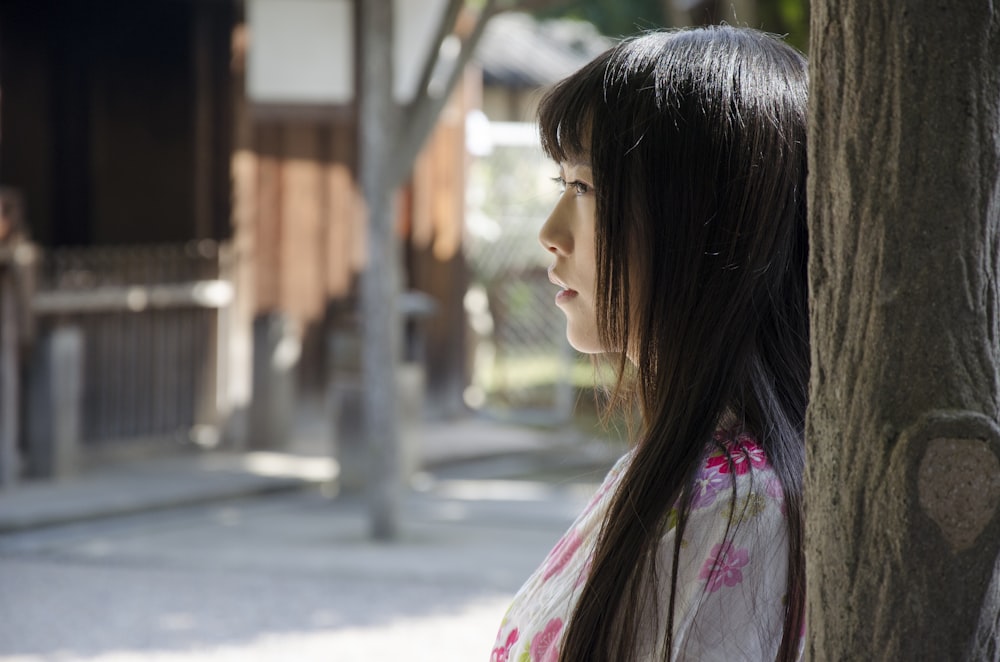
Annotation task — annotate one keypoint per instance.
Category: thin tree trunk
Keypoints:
(380, 280)
(903, 478)
(387, 153)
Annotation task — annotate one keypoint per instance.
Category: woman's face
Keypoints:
(568, 234)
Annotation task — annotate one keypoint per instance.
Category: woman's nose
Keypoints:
(555, 236)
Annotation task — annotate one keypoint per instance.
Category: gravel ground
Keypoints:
(282, 577)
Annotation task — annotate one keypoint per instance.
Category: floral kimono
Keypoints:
(730, 596)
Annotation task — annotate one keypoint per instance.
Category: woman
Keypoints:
(679, 245)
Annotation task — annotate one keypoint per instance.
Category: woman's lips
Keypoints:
(566, 293)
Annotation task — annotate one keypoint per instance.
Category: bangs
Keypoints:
(566, 112)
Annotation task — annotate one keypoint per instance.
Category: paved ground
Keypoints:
(291, 574)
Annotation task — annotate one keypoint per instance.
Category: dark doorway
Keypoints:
(115, 118)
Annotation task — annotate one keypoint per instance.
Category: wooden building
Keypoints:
(152, 180)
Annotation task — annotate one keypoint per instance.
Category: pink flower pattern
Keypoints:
(502, 652)
(707, 485)
(723, 566)
(744, 452)
(596, 499)
(545, 645)
(562, 553)
(720, 560)
(585, 572)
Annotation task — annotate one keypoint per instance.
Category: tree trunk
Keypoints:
(903, 478)
(380, 280)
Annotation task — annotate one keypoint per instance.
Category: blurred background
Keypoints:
(182, 231)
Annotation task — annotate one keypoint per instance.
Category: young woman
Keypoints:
(679, 245)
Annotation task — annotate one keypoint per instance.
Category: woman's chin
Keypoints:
(584, 343)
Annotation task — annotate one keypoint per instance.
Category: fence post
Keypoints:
(55, 414)
(344, 402)
(9, 369)
(276, 350)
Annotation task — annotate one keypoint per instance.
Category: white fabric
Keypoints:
(731, 613)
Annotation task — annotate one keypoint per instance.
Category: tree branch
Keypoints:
(425, 109)
(445, 28)
(530, 5)
(422, 113)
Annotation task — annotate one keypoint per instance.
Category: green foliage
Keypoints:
(786, 17)
(615, 18)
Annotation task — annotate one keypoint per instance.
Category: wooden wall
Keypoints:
(435, 260)
(309, 223)
(308, 239)
(299, 219)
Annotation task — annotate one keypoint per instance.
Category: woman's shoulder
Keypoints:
(733, 555)
(739, 445)
(735, 465)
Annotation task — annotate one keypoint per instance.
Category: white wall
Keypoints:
(302, 51)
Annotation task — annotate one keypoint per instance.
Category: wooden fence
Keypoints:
(153, 323)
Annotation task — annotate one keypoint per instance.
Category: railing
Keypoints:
(153, 326)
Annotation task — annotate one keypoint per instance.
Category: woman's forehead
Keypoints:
(577, 160)
(568, 139)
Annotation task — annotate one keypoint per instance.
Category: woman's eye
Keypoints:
(580, 188)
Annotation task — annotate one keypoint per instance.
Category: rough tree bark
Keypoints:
(903, 478)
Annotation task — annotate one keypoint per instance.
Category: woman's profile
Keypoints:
(679, 246)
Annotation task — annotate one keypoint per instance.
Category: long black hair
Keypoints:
(697, 142)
